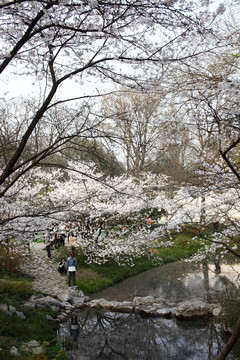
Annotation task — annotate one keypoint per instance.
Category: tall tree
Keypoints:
(134, 125)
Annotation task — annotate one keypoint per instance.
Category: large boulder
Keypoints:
(65, 296)
(47, 301)
(193, 308)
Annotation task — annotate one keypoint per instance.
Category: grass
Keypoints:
(15, 289)
(92, 277)
(19, 289)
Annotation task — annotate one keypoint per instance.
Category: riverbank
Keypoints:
(45, 280)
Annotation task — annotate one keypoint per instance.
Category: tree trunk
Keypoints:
(231, 342)
(202, 210)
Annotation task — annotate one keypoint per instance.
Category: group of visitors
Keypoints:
(64, 267)
(85, 228)
(159, 216)
(56, 234)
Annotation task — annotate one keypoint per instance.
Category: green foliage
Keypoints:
(93, 285)
(19, 289)
(34, 357)
(36, 326)
(15, 289)
(49, 353)
(110, 273)
(184, 246)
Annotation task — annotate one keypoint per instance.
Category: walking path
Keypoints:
(44, 270)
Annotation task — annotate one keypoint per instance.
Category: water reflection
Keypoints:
(176, 282)
(106, 335)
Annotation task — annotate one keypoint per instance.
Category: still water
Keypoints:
(99, 335)
(176, 281)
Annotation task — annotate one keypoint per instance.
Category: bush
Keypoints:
(10, 259)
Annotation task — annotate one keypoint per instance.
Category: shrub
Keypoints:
(10, 259)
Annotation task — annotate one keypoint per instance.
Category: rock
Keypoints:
(20, 315)
(12, 309)
(67, 306)
(37, 350)
(108, 305)
(35, 297)
(97, 303)
(14, 351)
(54, 308)
(29, 305)
(62, 317)
(144, 300)
(8, 309)
(41, 307)
(47, 301)
(74, 290)
(155, 310)
(24, 348)
(32, 344)
(216, 311)
(77, 299)
(50, 318)
(65, 296)
(32, 347)
(125, 306)
(192, 308)
(80, 305)
(4, 308)
(227, 329)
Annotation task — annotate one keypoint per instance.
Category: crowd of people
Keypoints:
(58, 234)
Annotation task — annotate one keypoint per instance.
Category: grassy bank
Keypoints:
(93, 277)
(15, 290)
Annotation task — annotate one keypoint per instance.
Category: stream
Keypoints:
(99, 335)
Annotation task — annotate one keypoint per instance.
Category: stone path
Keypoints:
(44, 270)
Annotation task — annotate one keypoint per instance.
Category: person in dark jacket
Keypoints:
(62, 268)
(47, 241)
(71, 268)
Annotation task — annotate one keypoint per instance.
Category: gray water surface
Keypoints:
(176, 281)
(104, 335)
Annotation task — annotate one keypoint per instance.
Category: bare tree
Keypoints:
(135, 126)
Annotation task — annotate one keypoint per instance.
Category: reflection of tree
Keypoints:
(115, 336)
(206, 276)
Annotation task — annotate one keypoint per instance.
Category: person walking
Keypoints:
(47, 242)
(72, 242)
(72, 268)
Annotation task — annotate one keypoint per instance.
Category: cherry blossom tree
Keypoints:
(58, 41)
